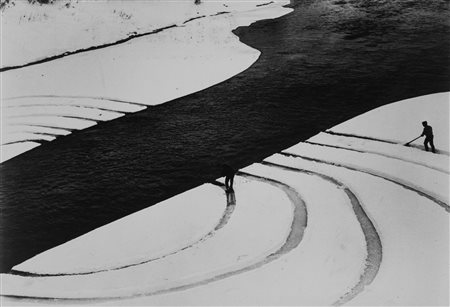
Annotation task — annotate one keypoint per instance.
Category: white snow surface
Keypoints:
(400, 122)
(77, 91)
(33, 32)
(291, 233)
(140, 237)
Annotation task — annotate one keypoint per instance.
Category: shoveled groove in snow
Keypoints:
(94, 101)
(150, 233)
(422, 178)
(25, 136)
(88, 117)
(37, 129)
(34, 106)
(370, 172)
(374, 247)
(329, 131)
(299, 223)
(379, 154)
(231, 204)
(294, 237)
(37, 126)
(59, 122)
(440, 152)
(38, 139)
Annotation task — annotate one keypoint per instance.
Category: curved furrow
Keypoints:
(379, 154)
(291, 240)
(374, 247)
(394, 151)
(231, 204)
(442, 152)
(85, 101)
(298, 226)
(370, 172)
(62, 122)
(373, 242)
(413, 231)
(85, 117)
(419, 178)
(329, 131)
(45, 117)
(228, 211)
(63, 110)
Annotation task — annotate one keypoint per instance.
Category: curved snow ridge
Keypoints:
(400, 152)
(430, 182)
(388, 141)
(27, 118)
(416, 189)
(373, 242)
(244, 243)
(400, 122)
(414, 234)
(231, 204)
(161, 230)
(380, 154)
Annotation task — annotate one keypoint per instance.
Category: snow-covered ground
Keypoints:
(337, 219)
(35, 32)
(51, 99)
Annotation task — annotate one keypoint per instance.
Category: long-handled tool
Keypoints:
(407, 144)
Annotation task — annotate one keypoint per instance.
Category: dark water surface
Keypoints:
(322, 64)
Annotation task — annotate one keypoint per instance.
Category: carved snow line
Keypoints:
(374, 247)
(378, 154)
(231, 204)
(366, 171)
(67, 105)
(294, 238)
(76, 97)
(92, 119)
(441, 152)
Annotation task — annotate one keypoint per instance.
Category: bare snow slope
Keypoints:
(32, 32)
(49, 100)
(335, 220)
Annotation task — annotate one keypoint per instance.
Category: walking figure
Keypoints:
(428, 133)
(228, 172)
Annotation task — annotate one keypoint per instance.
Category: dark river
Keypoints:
(324, 63)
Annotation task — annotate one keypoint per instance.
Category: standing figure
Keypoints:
(428, 133)
(228, 172)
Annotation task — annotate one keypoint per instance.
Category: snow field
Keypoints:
(82, 24)
(246, 239)
(400, 122)
(325, 265)
(430, 181)
(399, 151)
(146, 235)
(75, 92)
(414, 235)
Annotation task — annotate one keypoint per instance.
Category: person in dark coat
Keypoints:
(229, 173)
(428, 133)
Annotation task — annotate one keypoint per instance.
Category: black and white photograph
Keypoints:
(225, 153)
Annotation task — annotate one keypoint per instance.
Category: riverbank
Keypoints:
(311, 75)
(334, 221)
(44, 101)
(33, 32)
